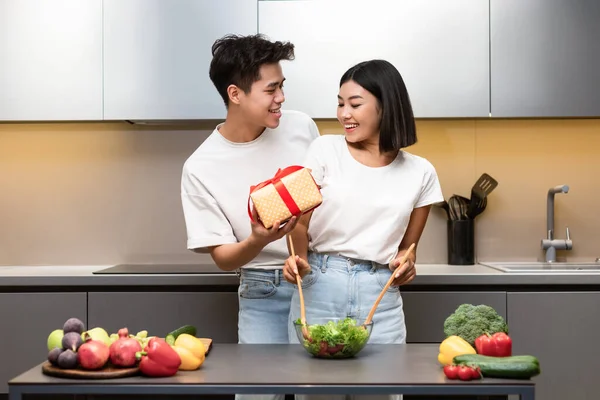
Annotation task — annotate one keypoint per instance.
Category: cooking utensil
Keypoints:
(444, 205)
(481, 189)
(299, 283)
(454, 208)
(387, 285)
(481, 205)
(458, 207)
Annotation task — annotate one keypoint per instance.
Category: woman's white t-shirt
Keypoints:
(365, 210)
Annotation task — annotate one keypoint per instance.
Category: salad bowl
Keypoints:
(333, 337)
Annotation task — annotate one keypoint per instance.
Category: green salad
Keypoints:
(336, 339)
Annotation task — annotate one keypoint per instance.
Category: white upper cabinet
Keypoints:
(441, 48)
(50, 60)
(157, 55)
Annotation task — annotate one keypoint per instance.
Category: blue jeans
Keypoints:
(339, 287)
(264, 308)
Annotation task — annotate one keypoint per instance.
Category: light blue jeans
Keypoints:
(264, 308)
(339, 287)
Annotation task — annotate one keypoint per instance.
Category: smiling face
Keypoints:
(359, 113)
(261, 106)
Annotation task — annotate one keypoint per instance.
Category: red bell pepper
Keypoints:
(497, 345)
(158, 359)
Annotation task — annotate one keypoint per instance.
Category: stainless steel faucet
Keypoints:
(550, 245)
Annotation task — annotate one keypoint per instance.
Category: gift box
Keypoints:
(291, 192)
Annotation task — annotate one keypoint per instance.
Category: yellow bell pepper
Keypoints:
(453, 346)
(189, 362)
(191, 350)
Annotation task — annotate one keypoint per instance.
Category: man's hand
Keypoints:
(295, 266)
(263, 236)
(406, 272)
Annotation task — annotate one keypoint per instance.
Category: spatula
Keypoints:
(299, 283)
(481, 189)
(387, 285)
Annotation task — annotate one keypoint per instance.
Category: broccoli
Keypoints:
(469, 322)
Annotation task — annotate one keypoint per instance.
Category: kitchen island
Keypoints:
(232, 368)
(552, 316)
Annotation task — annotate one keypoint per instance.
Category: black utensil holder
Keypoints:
(461, 242)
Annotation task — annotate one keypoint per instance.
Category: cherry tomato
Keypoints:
(335, 349)
(451, 371)
(323, 349)
(465, 373)
(476, 372)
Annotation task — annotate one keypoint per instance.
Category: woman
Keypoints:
(376, 200)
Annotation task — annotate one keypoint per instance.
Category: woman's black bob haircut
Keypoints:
(397, 128)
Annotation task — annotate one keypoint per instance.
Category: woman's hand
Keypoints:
(295, 266)
(406, 272)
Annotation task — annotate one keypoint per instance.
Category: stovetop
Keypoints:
(162, 269)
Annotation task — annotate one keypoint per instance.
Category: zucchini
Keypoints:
(513, 367)
(172, 336)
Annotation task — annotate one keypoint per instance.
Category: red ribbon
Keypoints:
(281, 189)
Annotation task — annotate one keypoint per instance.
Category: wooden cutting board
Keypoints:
(108, 372)
(207, 344)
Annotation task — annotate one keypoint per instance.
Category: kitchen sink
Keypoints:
(544, 267)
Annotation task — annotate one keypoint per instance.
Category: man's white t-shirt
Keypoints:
(365, 210)
(217, 177)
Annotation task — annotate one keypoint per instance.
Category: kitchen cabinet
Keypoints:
(542, 58)
(213, 313)
(27, 320)
(425, 312)
(561, 329)
(51, 54)
(157, 55)
(440, 47)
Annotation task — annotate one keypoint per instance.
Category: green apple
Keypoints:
(55, 339)
(97, 334)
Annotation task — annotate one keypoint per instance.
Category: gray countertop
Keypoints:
(408, 369)
(427, 274)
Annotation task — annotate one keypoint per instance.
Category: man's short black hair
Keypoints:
(397, 128)
(237, 60)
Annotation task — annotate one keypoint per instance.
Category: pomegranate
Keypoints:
(122, 351)
(92, 354)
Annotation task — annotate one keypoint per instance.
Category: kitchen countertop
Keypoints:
(228, 369)
(427, 274)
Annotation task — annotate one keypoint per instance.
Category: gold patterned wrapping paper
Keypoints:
(296, 187)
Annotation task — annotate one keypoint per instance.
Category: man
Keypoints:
(256, 139)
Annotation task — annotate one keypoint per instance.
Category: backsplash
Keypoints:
(106, 193)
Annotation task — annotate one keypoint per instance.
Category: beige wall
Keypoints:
(104, 193)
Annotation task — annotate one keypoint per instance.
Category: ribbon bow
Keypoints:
(281, 189)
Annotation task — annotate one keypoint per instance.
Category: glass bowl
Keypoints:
(334, 337)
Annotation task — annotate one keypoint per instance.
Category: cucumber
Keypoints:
(514, 367)
(172, 336)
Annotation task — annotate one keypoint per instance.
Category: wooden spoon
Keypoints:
(299, 283)
(387, 285)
